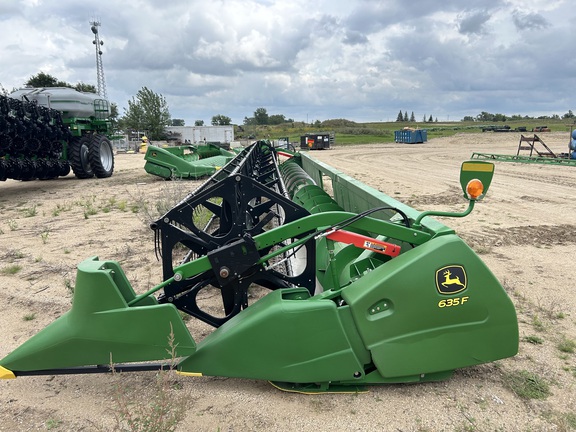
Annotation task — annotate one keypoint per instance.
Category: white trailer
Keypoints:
(200, 134)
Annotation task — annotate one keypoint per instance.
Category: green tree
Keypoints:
(42, 79)
(83, 87)
(430, 120)
(485, 116)
(261, 116)
(412, 118)
(148, 111)
(400, 117)
(405, 116)
(177, 122)
(114, 116)
(221, 120)
(277, 119)
(199, 123)
(133, 119)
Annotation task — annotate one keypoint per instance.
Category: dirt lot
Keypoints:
(525, 230)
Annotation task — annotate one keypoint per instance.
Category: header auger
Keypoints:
(363, 290)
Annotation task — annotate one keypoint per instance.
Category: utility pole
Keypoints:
(99, 67)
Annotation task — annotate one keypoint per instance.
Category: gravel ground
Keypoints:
(523, 230)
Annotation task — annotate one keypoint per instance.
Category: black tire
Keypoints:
(101, 156)
(63, 168)
(3, 168)
(78, 152)
(42, 169)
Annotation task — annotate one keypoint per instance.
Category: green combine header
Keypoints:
(187, 161)
(363, 290)
(543, 155)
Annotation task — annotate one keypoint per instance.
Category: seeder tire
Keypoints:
(63, 168)
(79, 157)
(3, 168)
(101, 156)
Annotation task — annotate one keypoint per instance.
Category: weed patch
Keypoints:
(533, 340)
(527, 385)
(161, 412)
(567, 345)
(11, 269)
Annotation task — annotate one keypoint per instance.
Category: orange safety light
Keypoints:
(474, 189)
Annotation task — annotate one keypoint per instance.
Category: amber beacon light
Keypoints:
(474, 189)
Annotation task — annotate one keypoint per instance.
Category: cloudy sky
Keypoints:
(363, 60)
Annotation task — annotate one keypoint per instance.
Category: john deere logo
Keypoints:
(451, 279)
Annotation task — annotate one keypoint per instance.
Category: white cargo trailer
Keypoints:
(200, 134)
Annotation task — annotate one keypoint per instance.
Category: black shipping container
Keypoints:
(319, 141)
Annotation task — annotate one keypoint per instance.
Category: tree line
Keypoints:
(489, 117)
(404, 118)
(148, 111)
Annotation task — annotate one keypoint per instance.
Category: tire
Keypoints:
(101, 156)
(63, 168)
(42, 169)
(78, 152)
(3, 168)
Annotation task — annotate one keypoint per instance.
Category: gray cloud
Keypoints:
(529, 21)
(354, 38)
(358, 59)
(473, 22)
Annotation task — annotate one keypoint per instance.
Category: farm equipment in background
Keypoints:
(543, 156)
(187, 161)
(541, 129)
(362, 289)
(45, 131)
(503, 128)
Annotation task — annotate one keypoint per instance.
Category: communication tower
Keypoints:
(99, 67)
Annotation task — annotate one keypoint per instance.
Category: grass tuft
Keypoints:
(533, 340)
(11, 269)
(527, 385)
(566, 345)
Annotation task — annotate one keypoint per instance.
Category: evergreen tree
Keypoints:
(405, 116)
(400, 117)
(412, 118)
(430, 120)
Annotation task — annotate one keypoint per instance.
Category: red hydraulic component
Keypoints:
(365, 242)
(281, 153)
